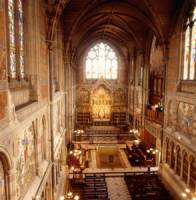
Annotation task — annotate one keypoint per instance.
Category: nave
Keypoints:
(105, 165)
(97, 99)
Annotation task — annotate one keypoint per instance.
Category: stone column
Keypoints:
(11, 184)
(182, 160)
(175, 166)
(189, 170)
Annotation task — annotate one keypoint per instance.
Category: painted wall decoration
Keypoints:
(101, 102)
(25, 164)
(185, 118)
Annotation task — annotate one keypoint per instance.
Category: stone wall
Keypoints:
(26, 134)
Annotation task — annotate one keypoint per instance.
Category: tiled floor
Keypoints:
(124, 158)
(109, 158)
(117, 188)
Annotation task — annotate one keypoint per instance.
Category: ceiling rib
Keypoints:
(109, 18)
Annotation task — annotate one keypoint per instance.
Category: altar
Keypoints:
(101, 122)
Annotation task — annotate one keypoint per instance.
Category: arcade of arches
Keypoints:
(97, 98)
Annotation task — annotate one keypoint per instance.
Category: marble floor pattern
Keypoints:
(117, 189)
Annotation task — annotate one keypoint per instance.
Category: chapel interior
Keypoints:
(97, 99)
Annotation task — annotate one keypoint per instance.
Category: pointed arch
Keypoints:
(5, 167)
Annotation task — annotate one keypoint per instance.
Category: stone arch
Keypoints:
(6, 164)
(185, 166)
(167, 150)
(6, 157)
(172, 154)
(178, 159)
(192, 180)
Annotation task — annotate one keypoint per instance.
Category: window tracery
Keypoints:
(101, 62)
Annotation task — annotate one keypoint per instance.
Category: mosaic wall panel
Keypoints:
(25, 163)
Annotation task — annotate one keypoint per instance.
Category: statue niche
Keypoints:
(101, 103)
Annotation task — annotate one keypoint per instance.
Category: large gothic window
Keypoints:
(101, 62)
(16, 32)
(189, 72)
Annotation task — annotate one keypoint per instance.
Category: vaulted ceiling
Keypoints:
(125, 23)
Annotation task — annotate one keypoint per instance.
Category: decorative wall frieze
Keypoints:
(181, 117)
(187, 143)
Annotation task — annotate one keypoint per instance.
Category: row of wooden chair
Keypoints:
(138, 155)
(146, 187)
(95, 188)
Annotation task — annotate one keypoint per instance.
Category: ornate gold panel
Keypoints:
(101, 103)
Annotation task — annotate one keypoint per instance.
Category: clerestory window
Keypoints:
(189, 65)
(16, 39)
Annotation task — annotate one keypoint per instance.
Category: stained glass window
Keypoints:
(101, 62)
(12, 49)
(15, 19)
(189, 72)
(21, 38)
